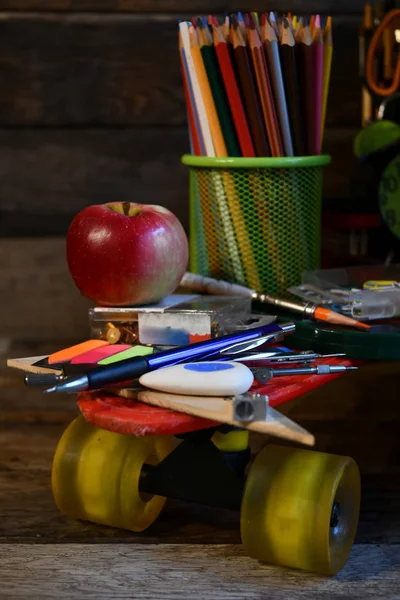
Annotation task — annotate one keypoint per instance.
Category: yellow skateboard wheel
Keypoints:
(300, 509)
(95, 476)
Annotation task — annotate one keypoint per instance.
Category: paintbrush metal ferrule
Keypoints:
(307, 309)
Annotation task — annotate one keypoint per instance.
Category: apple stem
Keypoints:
(126, 207)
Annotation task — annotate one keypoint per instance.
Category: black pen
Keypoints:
(132, 368)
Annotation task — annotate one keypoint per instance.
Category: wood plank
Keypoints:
(199, 571)
(338, 143)
(99, 69)
(181, 6)
(37, 290)
(66, 170)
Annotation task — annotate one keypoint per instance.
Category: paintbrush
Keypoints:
(217, 287)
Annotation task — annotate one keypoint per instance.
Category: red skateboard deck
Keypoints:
(136, 418)
(130, 417)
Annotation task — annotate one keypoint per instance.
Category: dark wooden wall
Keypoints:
(91, 110)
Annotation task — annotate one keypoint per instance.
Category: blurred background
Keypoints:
(91, 111)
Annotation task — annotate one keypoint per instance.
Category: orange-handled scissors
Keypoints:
(386, 22)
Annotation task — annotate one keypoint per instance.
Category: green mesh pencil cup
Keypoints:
(255, 221)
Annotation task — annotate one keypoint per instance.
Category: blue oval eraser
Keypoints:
(208, 378)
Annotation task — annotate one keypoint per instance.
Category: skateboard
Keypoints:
(118, 462)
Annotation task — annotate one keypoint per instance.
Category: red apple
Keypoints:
(125, 254)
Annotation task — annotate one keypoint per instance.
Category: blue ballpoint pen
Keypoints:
(133, 368)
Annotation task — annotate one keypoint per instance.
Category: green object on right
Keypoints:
(375, 136)
(330, 339)
(257, 219)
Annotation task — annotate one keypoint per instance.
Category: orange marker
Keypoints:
(72, 351)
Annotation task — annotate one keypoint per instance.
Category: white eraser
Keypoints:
(208, 378)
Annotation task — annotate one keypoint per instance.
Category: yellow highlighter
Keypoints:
(379, 285)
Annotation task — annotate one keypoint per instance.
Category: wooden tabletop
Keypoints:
(192, 550)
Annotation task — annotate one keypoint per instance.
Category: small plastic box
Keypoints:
(371, 291)
(176, 321)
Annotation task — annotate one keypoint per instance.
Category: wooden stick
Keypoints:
(27, 364)
(221, 410)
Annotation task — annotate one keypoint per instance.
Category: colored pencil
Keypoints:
(225, 28)
(212, 117)
(250, 95)
(312, 24)
(273, 21)
(291, 83)
(235, 101)
(318, 66)
(194, 127)
(304, 58)
(209, 240)
(256, 22)
(233, 208)
(255, 85)
(219, 94)
(263, 81)
(265, 93)
(328, 50)
(270, 42)
(216, 180)
(241, 22)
